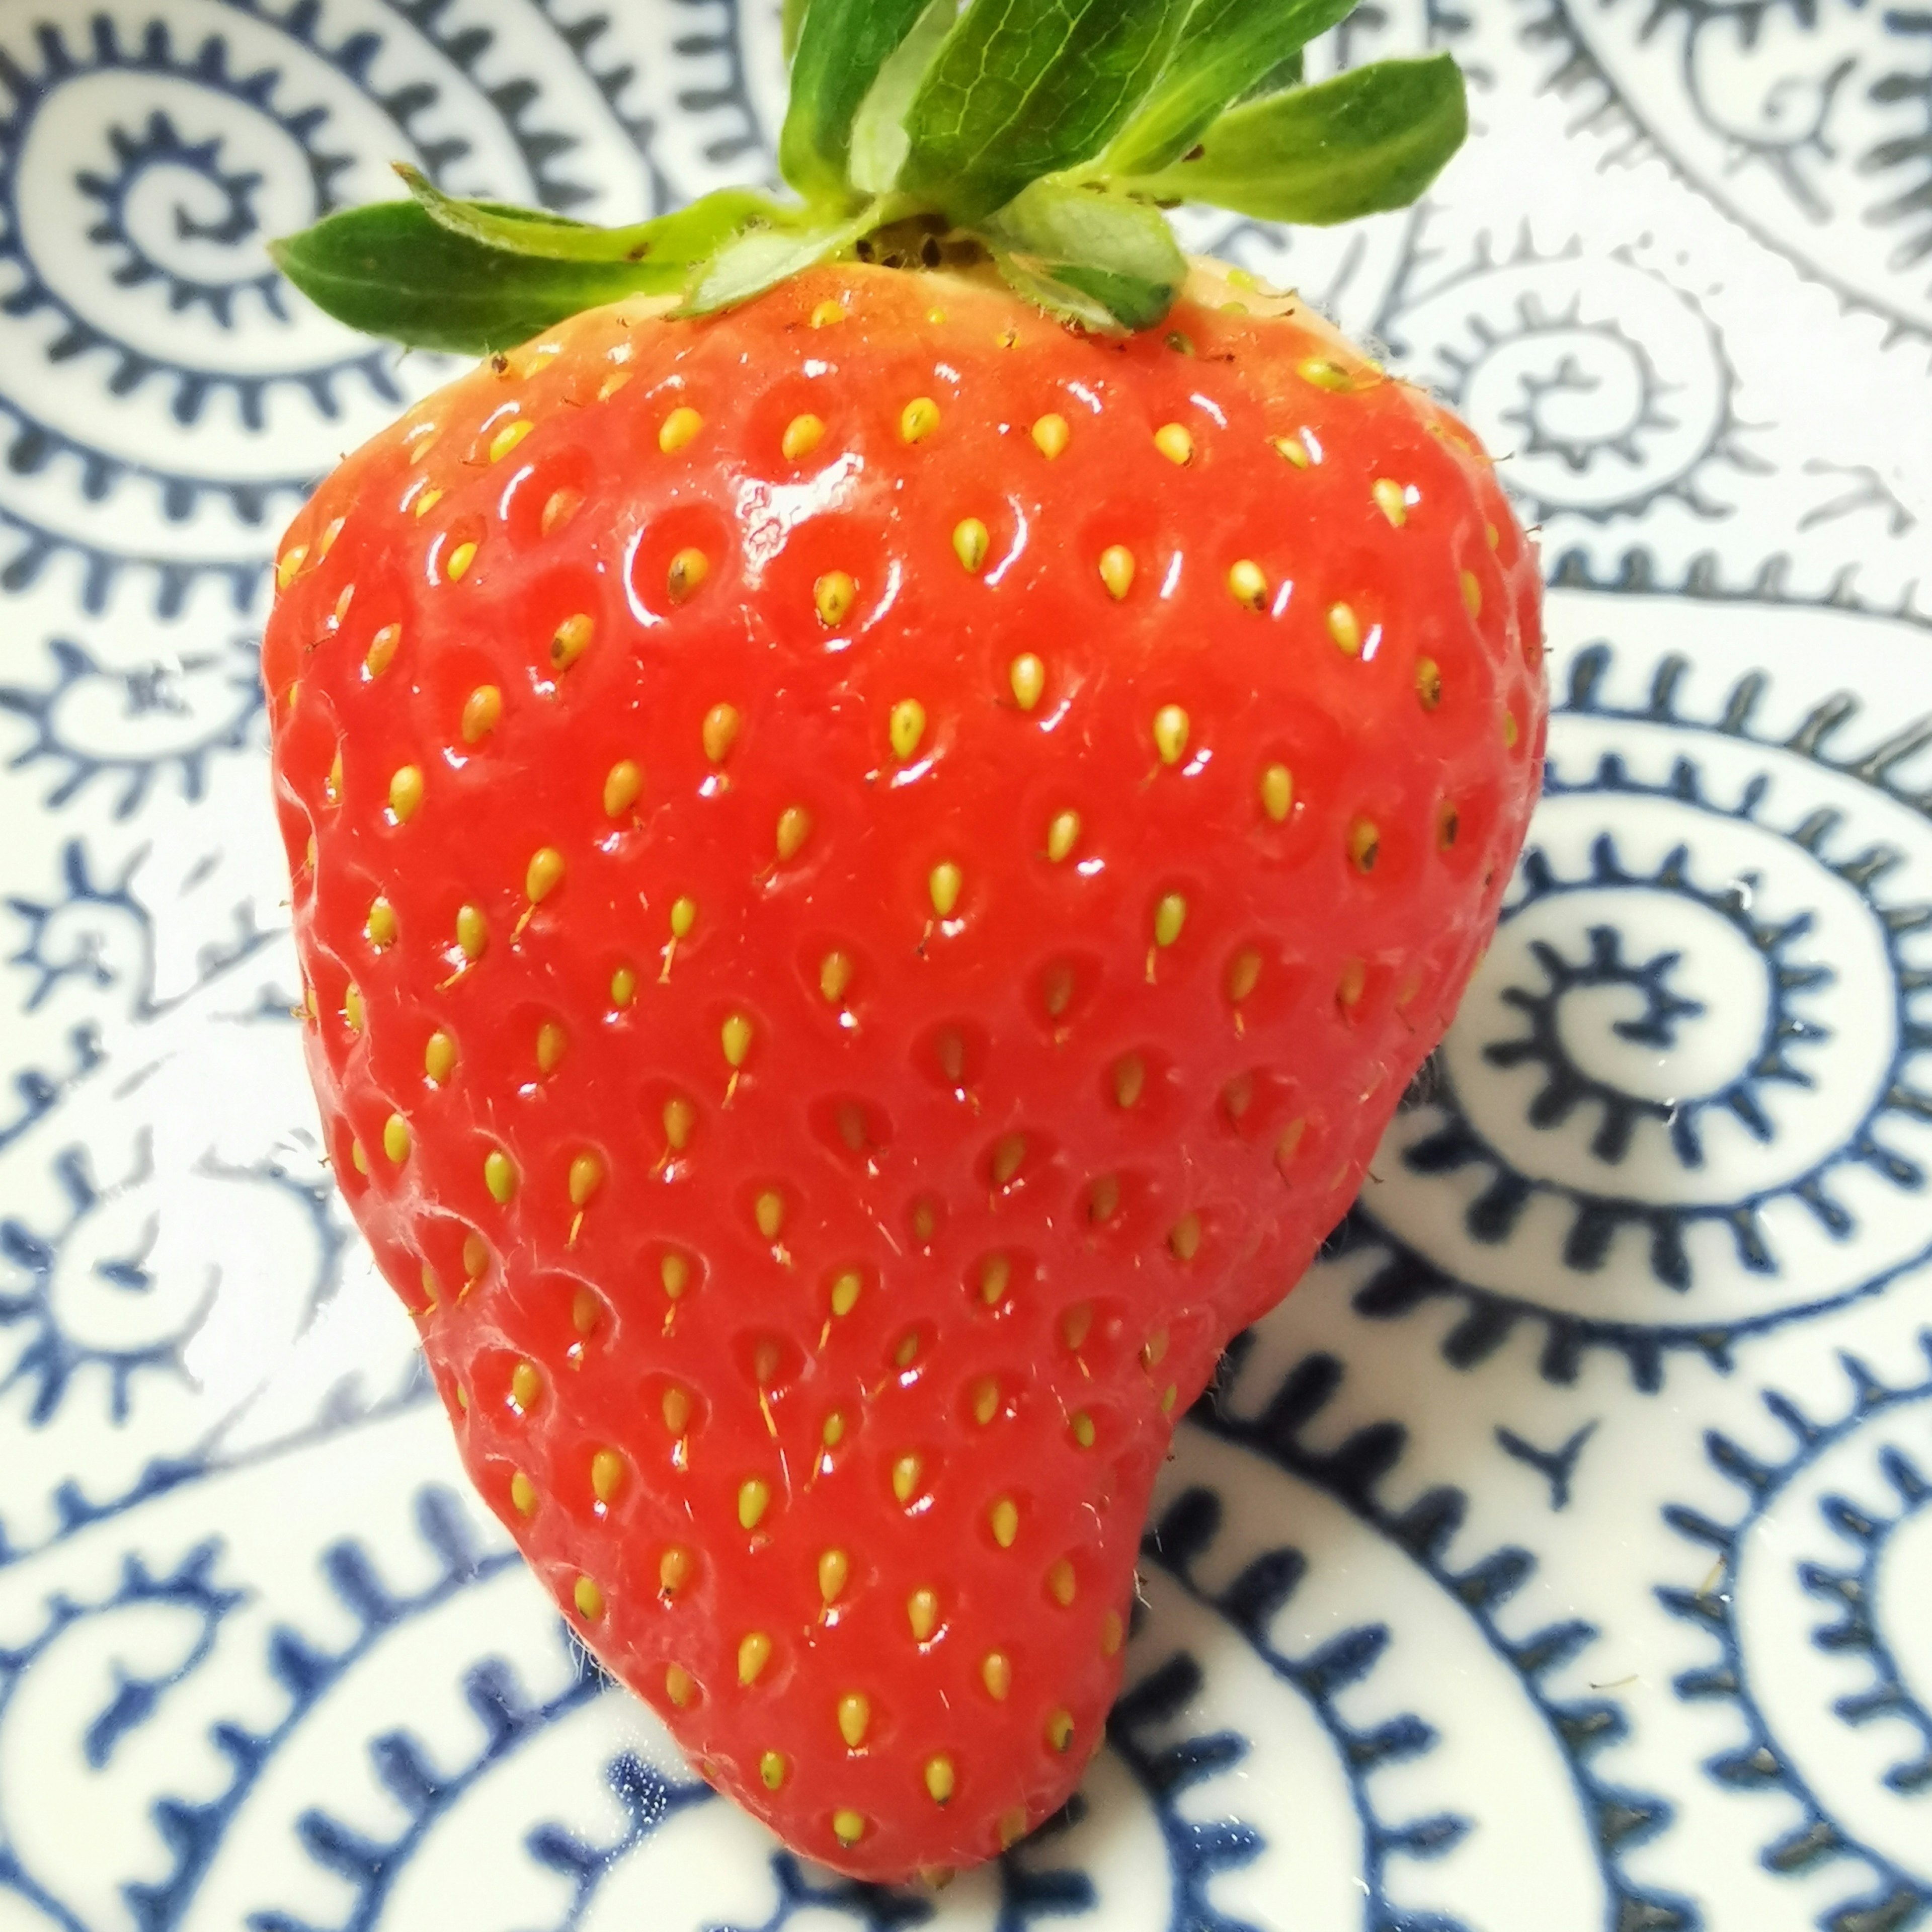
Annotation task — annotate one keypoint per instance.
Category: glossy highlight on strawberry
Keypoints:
(869, 873)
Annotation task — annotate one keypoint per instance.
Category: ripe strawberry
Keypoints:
(870, 871)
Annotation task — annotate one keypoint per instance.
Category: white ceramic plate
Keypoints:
(1558, 1557)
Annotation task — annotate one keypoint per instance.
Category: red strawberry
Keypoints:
(870, 872)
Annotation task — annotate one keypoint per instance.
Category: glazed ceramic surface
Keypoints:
(1559, 1556)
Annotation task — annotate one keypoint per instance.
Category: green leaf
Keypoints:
(1371, 139)
(1023, 88)
(1121, 254)
(1226, 47)
(1291, 73)
(790, 21)
(667, 247)
(841, 46)
(1061, 301)
(388, 269)
(879, 144)
(752, 263)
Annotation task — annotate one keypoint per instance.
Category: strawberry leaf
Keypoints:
(879, 140)
(1023, 88)
(1225, 48)
(791, 21)
(751, 263)
(1119, 253)
(1372, 139)
(1060, 299)
(842, 45)
(389, 269)
(666, 248)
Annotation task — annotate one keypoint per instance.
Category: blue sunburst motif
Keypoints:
(1881, 1445)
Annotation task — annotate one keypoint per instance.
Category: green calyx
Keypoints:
(1046, 136)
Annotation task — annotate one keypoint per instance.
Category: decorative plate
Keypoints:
(1558, 1556)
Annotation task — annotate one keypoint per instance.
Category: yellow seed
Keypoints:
(607, 1470)
(755, 1497)
(794, 828)
(427, 502)
(1129, 1079)
(1472, 593)
(803, 435)
(523, 1494)
(481, 710)
(943, 884)
(834, 594)
(676, 1410)
(754, 1652)
(1083, 1431)
(1511, 730)
(845, 1292)
(473, 932)
(1293, 448)
(500, 1176)
(1061, 1582)
(674, 1569)
(544, 875)
(526, 1386)
(674, 1272)
(332, 785)
(1346, 628)
(939, 1779)
(1012, 1827)
(1060, 1730)
(1062, 834)
(460, 559)
(352, 1006)
(971, 540)
(290, 567)
(1324, 375)
(907, 727)
(1353, 983)
(1111, 1632)
(906, 1471)
(827, 313)
(1390, 501)
(996, 1275)
(1117, 571)
(1244, 974)
(1495, 535)
(586, 1311)
(847, 1827)
(680, 427)
(1364, 845)
(570, 640)
(1050, 435)
(1174, 442)
(586, 1176)
(679, 1686)
(440, 1056)
(1248, 584)
(406, 793)
(358, 1160)
(834, 1571)
(833, 1433)
(719, 732)
(1168, 1396)
(1170, 734)
(919, 419)
(922, 1613)
(476, 1256)
(996, 1672)
(1169, 916)
(835, 976)
(1183, 1238)
(396, 1139)
(382, 649)
(1028, 675)
(623, 987)
(689, 569)
(735, 1036)
(908, 1351)
(773, 1769)
(380, 925)
(1105, 1201)
(507, 438)
(679, 1118)
(985, 1401)
(1003, 1518)
(769, 1211)
(855, 1718)
(622, 786)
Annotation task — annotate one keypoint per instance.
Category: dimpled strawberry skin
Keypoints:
(869, 873)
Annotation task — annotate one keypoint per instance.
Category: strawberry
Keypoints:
(870, 863)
